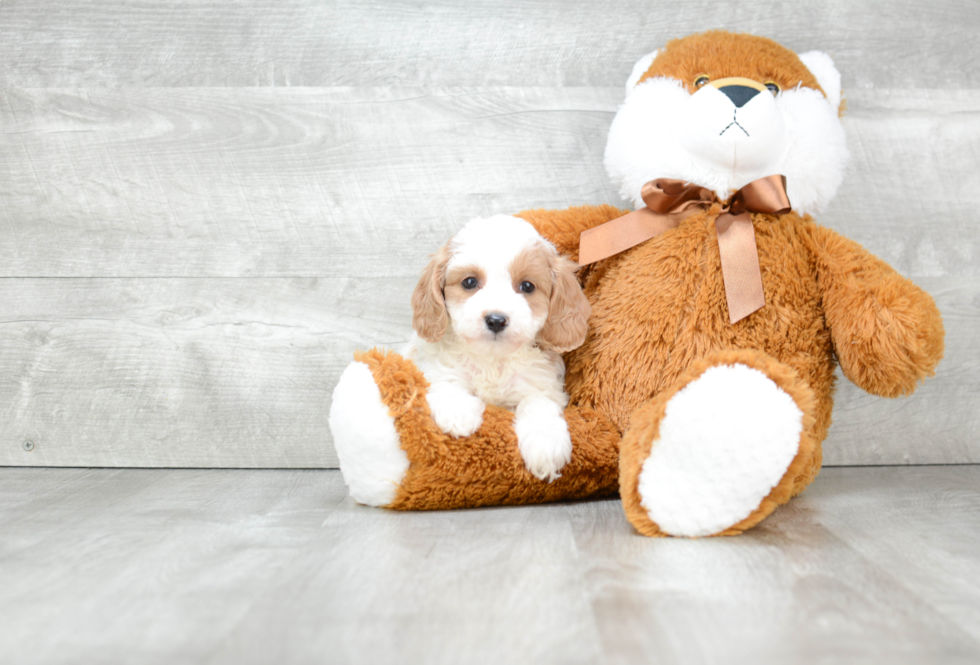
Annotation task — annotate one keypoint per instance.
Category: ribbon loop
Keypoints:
(669, 201)
(766, 195)
(667, 195)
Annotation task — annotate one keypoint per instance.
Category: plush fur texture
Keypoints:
(644, 434)
(485, 469)
(668, 127)
(365, 438)
(492, 312)
(659, 313)
(738, 453)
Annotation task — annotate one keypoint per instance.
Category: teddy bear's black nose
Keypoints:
(739, 94)
(496, 322)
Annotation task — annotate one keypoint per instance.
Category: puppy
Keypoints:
(493, 312)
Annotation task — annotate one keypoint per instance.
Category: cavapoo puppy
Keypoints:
(493, 312)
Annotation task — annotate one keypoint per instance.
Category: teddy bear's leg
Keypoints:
(392, 454)
(719, 451)
(365, 438)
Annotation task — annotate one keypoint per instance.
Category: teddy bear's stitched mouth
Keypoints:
(734, 123)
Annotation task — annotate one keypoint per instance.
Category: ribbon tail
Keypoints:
(622, 233)
(740, 265)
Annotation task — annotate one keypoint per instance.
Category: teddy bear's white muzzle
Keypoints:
(746, 139)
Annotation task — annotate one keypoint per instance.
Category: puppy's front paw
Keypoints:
(544, 442)
(455, 411)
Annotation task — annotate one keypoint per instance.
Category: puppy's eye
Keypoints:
(701, 81)
(526, 287)
(773, 87)
(470, 283)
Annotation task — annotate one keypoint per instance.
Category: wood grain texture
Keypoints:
(437, 609)
(933, 563)
(58, 43)
(804, 586)
(913, 155)
(869, 565)
(152, 567)
(216, 182)
(164, 372)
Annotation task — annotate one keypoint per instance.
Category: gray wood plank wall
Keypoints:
(206, 207)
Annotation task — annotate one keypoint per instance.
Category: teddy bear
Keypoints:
(720, 308)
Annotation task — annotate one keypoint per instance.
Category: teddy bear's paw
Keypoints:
(543, 438)
(364, 435)
(455, 411)
(726, 439)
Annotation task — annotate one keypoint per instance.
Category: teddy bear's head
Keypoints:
(720, 110)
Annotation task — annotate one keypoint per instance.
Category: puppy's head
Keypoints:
(500, 285)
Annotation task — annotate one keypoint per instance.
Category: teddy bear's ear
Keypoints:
(639, 69)
(821, 66)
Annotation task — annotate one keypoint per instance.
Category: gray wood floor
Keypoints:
(206, 207)
(869, 565)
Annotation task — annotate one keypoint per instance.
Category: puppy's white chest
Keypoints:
(506, 381)
(497, 385)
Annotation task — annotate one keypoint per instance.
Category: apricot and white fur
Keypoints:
(493, 312)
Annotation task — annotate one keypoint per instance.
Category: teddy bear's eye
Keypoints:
(526, 287)
(700, 81)
(772, 86)
(470, 283)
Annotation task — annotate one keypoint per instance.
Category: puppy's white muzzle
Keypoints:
(497, 319)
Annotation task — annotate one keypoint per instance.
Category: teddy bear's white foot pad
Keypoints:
(364, 435)
(726, 439)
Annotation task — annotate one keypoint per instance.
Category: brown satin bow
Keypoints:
(669, 201)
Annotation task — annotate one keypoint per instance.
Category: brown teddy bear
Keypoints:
(704, 388)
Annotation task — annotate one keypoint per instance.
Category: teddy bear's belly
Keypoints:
(663, 306)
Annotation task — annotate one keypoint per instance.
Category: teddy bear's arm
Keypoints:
(563, 227)
(887, 332)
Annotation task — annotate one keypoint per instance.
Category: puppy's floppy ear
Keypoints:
(429, 314)
(568, 312)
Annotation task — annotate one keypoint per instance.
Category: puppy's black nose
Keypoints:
(496, 322)
(739, 94)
